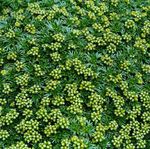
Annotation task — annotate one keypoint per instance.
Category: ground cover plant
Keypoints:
(74, 74)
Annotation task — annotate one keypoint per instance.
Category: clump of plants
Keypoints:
(74, 74)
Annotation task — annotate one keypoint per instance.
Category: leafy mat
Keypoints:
(74, 74)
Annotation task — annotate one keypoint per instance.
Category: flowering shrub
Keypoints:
(74, 74)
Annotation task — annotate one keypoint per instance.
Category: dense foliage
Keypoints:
(74, 74)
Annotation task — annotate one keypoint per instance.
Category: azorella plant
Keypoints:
(74, 74)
